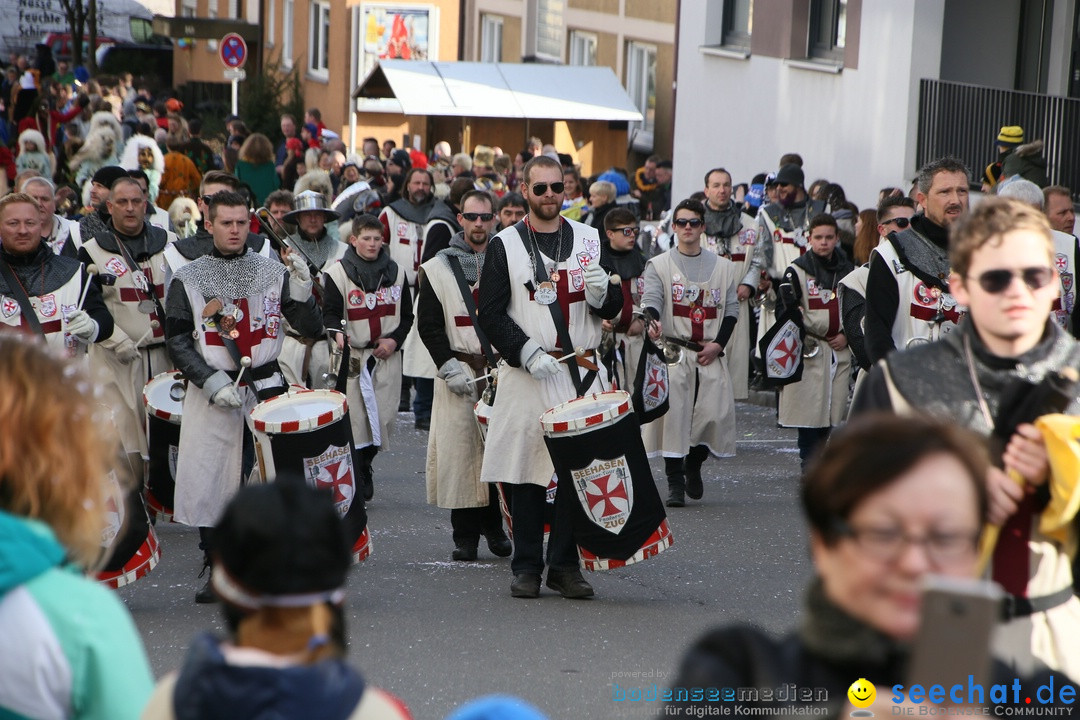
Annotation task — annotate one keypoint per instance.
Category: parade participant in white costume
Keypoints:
(60, 234)
(222, 308)
(536, 269)
(619, 251)
(445, 317)
(691, 297)
(367, 295)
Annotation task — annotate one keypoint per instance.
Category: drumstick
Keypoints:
(91, 270)
(245, 362)
(154, 325)
(577, 353)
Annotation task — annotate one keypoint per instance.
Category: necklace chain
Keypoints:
(534, 242)
(678, 264)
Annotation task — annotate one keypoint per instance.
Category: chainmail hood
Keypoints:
(41, 271)
(318, 251)
(472, 262)
(723, 223)
(234, 277)
(370, 275)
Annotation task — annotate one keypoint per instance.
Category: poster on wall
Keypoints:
(392, 31)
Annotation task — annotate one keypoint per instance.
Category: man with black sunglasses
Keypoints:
(445, 318)
(908, 299)
(1003, 271)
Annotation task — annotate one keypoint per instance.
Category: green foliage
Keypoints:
(264, 97)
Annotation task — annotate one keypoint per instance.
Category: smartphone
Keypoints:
(959, 616)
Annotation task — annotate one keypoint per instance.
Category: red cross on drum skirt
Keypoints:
(373, 316)
(697, 314)
(833, 306)
(565, 295)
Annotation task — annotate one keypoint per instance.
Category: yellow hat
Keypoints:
(1010, 135)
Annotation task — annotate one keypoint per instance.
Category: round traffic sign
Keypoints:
(233, 50)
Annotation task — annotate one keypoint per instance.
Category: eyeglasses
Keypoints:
(205, 199)
(888, 544)
(626, 231)
(997, 281)
(542, 188)
(473, 217)
(692, 222)
(900, 222)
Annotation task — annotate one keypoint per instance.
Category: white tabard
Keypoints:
(739, 248)
(366, 325)
(52, 310)
(455, 450)
(519, 454)
(702, 406)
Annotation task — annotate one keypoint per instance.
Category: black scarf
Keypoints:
(931, 230)
(370, 274)
(413, 213)
(723, 223)
(148, 241)
(826, 272)
(627, 263)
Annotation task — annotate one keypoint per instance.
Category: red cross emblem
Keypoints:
(656, 384)
(333, 470)
(1061, 262)
(10, 307)
(784, 354)
(610, 494)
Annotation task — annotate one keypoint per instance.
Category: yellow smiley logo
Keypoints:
(862, 693)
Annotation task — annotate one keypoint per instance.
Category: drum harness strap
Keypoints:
(134, 267)
(470, 306)
(16, 289)
(264, 371)
(581, 384)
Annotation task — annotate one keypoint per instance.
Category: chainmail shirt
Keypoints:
(230, 277)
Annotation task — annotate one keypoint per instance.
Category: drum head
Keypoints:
(585, 413)
(301, 411)
(163, 396)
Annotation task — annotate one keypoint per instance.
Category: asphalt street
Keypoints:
(437, 633)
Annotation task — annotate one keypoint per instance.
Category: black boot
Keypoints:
(676, 482)
(465, 550)
(362, 460)
(206, 592)
(692, 464)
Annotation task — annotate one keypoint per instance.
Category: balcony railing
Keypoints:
(963, 120)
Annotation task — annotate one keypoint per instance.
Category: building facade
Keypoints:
(635, 38)
(866, 90)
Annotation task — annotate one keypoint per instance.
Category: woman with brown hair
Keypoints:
(70, 647)
(256, 167)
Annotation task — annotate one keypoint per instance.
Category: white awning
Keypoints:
(503, 90)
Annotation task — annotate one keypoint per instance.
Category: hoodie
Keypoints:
(71, 649)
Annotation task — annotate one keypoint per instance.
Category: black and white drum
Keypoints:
(605, 487)
(307, 432)
(128, 539)
(163, 398)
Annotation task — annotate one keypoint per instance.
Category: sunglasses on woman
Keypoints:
(539, 189)
(692, 222)
(997, 281)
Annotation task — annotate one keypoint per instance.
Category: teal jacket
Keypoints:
(69, 648)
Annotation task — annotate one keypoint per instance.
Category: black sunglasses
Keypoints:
(541, 188)
(692, 222)
(473, 217)
(626, 231)
(997, 281)
(901, 222)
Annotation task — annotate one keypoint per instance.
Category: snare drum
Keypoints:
(163, 398)
(605, 487)
(308, 433)
(128, 539)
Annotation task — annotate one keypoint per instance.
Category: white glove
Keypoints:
(596, 284)
(542, 365)
(227, 398)
(82, 325)
(457, 380)
(126, 352)
(299, 278)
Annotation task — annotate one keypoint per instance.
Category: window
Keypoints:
(828, 29)
(738, 23)
(549, 30)
(188, 9)
(234, 9)
(271, 22)
(491, 38)
(319, 45)
(287, 34)
(641, 85)
(582, 48)
(211, 45)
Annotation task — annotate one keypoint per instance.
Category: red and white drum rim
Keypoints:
(362, 547)
(139, 566)
(172, 376)
(563, 418)
(340, 407)
(659, 541)
(482, 411)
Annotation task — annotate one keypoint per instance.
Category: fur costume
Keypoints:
(185, 215)
(130, 161)
(317, 180)
(99, 150)
(37, 159)
(104, 118)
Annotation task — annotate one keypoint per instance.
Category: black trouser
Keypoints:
(470, 523)
(810, 439)
(527, 510)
